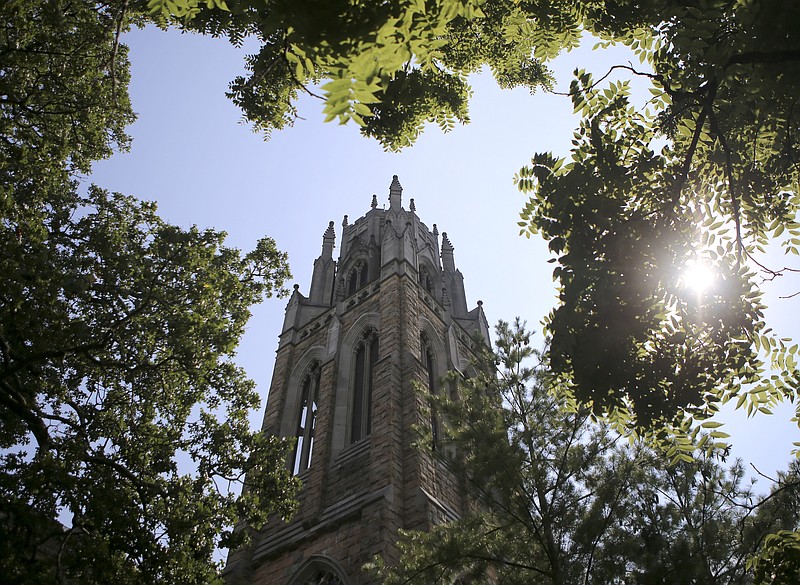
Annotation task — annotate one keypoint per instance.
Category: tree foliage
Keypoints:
(391, 67)
(560, 498)
(629, 331)
(123, 417)
(705, 173)
(63, 98)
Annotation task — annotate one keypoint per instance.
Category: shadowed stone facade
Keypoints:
(391, 312)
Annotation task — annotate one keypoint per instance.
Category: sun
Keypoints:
(698, 276)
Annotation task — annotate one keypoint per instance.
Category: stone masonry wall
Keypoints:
(353, 504)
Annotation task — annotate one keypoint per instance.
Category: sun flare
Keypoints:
(698, 276)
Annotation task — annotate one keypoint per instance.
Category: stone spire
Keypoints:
(395, 194)
(374, 201)
(453, 279)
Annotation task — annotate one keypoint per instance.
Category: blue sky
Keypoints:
(202, 166)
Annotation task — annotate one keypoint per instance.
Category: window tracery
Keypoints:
(324, 577)
(319, 570)
(425, 279)
(306, 421)
(366, 354)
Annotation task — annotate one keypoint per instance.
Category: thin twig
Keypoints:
(628, 67)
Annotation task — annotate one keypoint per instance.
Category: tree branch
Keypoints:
(763, 57)
(15, 402)
(737, 220)
(115, 49)
(126, 473)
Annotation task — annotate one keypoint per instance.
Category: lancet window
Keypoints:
(366, 355)
(306, 421)
(429, 364)
(357, 277)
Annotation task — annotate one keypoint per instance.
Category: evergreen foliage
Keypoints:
(705, 174)
(560, 498)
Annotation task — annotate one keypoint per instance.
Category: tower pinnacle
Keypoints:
(328, 239)
(395, 194)
(448, 263)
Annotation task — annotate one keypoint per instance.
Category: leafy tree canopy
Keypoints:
(560, 499)
(388, 66)
(122, 413)
(116, 336)
(705, 174)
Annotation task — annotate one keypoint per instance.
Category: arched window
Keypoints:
(319, 570)
(365, 357)
(426, 280)
(323, 578)
(306, 421)
(357, 277)
(429, 363)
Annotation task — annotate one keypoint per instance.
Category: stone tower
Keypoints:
(391, 312)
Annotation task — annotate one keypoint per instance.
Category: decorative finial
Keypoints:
(448, 264)
(411, 205)
(374, 201)
(296, 287)
(344, 221)
(480, 303)
(435, 231)
(446, 245)
(328, 240)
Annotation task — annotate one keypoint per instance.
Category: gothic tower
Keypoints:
(391, 312)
